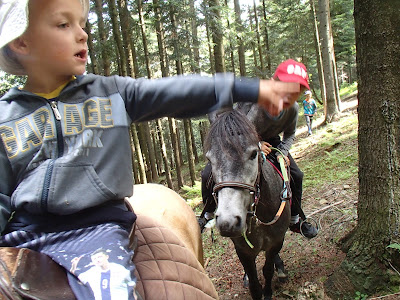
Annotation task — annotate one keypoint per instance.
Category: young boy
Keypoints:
(64, 137)
(310, 107)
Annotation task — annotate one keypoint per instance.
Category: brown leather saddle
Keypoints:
(26, 274)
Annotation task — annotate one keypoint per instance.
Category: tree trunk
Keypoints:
(239, 34)
(93, 59)
(368, 264)
(144, 139)
(259, 46)
(117, 36)
(269, 67)
(230, 43)
(103, 37)
(188, 48)
(136, 177)
(195, 39)
(127, 39)
(217, 35)
(189, 150)
(144, 38)
(203, 132)
(157, 147)
(138, 148)
(253, 44)
(164, 154)
(196, 156)
(152, 154)
(146, 125)
(160, 39)
(165, 73)
(174, 26)
(209, 38)
(318, 55)
(177, 150)
(324, 15)
(334, 68)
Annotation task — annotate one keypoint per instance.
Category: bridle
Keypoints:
(255, 192)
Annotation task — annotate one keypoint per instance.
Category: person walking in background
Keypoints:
(310, 107)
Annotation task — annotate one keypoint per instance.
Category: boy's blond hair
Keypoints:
(14, 19)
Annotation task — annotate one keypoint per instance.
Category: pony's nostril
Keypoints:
(238, 221)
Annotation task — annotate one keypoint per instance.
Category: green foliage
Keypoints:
(290, 30)
(288, 23)
(394, 246)
(8, 81)
(343, 29)
(214, 249)
(347, 89)
(192, 191)
(360, 296)
(192, 194)
(337, 161)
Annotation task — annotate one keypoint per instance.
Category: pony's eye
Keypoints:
(253, 155)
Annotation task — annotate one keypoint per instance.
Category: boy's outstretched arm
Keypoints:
(277, 95)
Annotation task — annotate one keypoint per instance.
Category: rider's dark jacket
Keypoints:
(66, 155)
(270, 128)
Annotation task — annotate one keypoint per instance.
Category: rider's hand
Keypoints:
(265, 148)
(277, 95)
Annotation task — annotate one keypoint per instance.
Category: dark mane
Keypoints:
(231, 129)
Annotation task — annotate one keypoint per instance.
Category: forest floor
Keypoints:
(330, 204)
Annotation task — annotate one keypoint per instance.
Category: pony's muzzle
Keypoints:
(230, 228)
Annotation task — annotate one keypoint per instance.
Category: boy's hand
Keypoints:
(276, 95)
(265, 148)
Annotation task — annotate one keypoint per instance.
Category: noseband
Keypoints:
(254, 189)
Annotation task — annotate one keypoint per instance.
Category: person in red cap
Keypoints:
(269, 129)
(292, 71)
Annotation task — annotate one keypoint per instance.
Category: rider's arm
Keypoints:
(194, 95)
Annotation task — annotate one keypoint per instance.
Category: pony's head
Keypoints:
(232, 148)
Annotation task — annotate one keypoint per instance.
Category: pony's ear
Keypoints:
(254, 113)
(212, 116)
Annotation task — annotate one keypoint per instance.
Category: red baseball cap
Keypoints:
(292, 71)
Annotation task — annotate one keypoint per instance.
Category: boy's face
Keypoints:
(55, 40)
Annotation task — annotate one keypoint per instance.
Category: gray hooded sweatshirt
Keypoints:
(71, 153)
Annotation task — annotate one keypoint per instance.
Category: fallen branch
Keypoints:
(206, 262)
(325, 208)
(381, 297)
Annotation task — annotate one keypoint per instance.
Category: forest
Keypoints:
(341, 42)
(155, 39)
